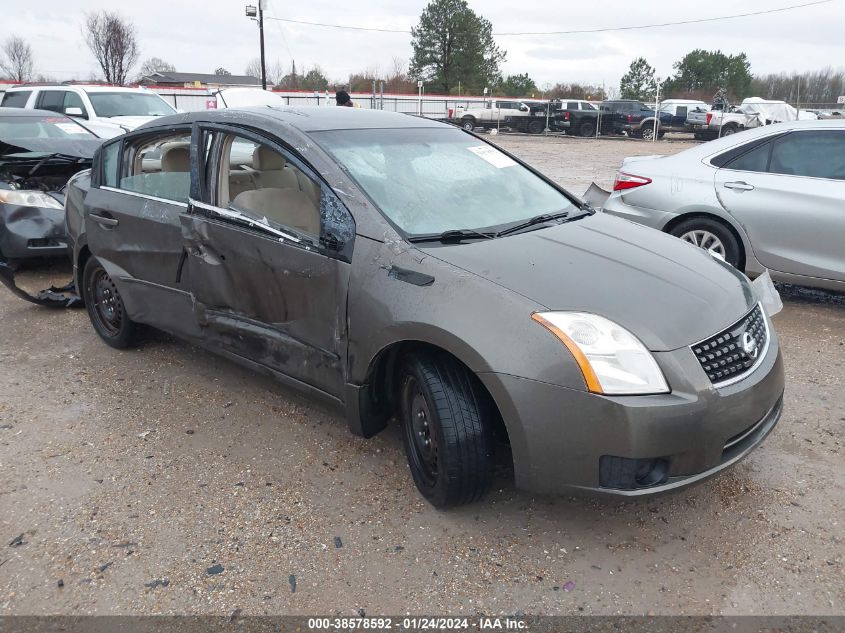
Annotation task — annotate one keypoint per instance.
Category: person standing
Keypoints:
(343, 99)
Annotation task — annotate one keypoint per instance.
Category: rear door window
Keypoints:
(15, 99)
(159, 167)
(52, 100)
(815, 154)
(572, 105)
(756, 159)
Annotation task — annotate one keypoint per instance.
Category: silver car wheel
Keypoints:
(707, 241)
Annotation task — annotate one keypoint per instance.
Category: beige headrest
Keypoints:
(265, 159)
(175, 158)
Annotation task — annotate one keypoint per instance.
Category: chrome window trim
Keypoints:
(226, 213)
(145, 196)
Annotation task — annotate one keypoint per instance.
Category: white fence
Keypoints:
(435, 106)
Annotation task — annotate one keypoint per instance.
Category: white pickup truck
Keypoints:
(753, 112)
(494, 113)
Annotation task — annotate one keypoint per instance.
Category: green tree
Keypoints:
(314, 79)
(638, 82)
(452, 43)
(517, 86)
(701, 71)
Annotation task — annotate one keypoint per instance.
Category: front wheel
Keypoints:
(105, 306)
(447, 421)
(712, 236)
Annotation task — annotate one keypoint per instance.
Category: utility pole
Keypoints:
(257, 14)
(261, 5)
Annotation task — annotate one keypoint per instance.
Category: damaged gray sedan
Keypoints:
(39, 152)
(399, 267)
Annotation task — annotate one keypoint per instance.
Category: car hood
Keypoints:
(79, 147)
(667, 292)
(130, 122)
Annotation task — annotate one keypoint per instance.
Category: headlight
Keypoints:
(612, 360)
(27, 198)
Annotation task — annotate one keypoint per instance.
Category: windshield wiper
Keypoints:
(453, 235)
(537, 219)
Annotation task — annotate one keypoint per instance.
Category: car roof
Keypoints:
(23, 113)
(306, 118)
(85, 87)
(717, 146)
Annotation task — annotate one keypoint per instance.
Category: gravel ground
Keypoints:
(167, 480)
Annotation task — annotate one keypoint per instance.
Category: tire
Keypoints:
(712, 236)
(447, 422)
(647, 132)
(728, 130)
(535, 127)
(468, 123)
(105, 307)
(586, 129)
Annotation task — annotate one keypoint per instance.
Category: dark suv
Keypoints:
(631, 117)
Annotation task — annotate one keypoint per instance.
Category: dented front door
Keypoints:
(279, 303)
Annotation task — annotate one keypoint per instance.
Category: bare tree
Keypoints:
(16, 59)
(156, 65)
(113, 43)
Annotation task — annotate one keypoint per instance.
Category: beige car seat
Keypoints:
(287, 206)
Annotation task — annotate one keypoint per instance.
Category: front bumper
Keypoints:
(30, 232)
(559, 436)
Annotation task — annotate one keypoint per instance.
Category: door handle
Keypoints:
(103, 220)
(741, 186)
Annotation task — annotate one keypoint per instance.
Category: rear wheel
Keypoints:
(728, 130)
(647, 132)
(586, 128)
(468, 123)
(447, 420)
(712, 236)
(535, 127)
(105, 306)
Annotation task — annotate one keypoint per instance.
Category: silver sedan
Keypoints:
(768, 198)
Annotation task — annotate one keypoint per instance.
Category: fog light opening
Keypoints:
(623, 473)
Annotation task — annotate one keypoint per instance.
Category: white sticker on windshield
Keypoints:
(492, 156)
(71, 128)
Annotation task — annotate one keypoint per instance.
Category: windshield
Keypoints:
(28, 127)
(431, 180)
(109, 104)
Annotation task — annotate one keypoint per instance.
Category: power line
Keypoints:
(574, 31)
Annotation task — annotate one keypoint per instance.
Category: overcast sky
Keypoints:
(199, 36)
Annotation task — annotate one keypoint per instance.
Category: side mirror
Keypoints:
(523, 108)
(75, 112)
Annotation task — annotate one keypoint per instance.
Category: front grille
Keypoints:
(730, 355)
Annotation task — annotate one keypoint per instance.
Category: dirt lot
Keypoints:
(167, 480)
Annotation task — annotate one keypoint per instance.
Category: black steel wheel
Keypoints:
(536, 127)
(447, 422)
(105, 306)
